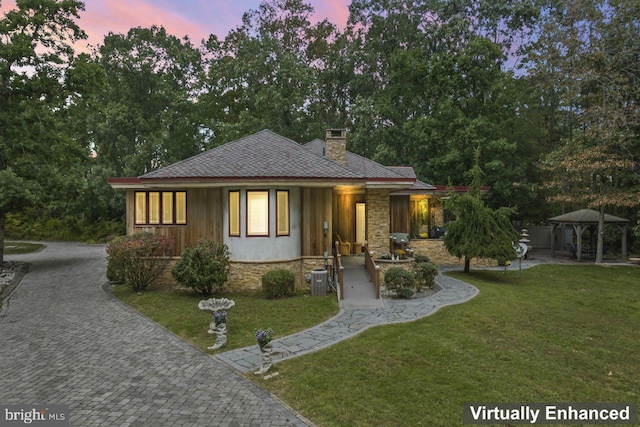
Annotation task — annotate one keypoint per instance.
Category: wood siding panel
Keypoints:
(344, 214)
(204, 219)
(316, 208)
(400, 214)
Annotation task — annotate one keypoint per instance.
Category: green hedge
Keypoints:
(278, 283)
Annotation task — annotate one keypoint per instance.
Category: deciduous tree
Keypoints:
(37, 157)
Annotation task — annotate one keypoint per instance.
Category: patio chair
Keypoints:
(343, 247)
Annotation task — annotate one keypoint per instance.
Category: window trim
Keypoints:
(288, 213)
(268, 232)
(161, 206)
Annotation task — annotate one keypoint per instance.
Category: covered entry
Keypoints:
(583, 219)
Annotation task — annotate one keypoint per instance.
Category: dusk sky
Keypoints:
(195, 18)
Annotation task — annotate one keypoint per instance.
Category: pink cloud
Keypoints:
(195, 18)
(119, 16)
(336, 11)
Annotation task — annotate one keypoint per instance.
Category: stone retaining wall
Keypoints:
(438, 254)
(247, 275)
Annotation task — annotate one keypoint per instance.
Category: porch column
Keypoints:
(378, 218)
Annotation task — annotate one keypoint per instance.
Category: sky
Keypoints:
(195, 18)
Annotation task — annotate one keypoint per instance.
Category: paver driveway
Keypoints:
(64, 341)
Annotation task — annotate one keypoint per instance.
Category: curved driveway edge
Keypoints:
(65, 341)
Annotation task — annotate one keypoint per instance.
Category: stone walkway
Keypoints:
(350, 322)
(63, 340)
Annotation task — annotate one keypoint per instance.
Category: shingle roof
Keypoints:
(361, 165)
(262, 155)
(586, 216)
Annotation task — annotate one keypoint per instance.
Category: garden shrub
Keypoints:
(405, 293)
(278, 283)
(421, 258)
(396, 278)
(203, 267)
(137, 260)
(425, 274)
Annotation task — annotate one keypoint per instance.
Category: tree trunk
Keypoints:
(600, 247)
(467, 263)
(2, 223)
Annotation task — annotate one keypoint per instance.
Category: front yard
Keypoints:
(556, 334)
(177, 310)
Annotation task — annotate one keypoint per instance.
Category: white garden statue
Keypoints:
(218, 325)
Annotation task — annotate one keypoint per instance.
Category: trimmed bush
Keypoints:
(421, 258)
(278, 283)
(425, 273)
(137, 260)
(396, 278)
(203, 267)
(405, 293)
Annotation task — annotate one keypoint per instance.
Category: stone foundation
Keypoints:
(245, 275)
(438, 254)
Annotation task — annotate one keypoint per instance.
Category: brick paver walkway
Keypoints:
(63, 340)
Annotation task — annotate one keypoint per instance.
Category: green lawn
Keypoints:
(558, 334)
(15, 248)
(178, 311)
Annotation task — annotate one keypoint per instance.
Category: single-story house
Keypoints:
(277, 203)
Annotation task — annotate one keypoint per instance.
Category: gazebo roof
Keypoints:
(586, 216)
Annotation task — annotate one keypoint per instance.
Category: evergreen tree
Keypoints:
(477, 230)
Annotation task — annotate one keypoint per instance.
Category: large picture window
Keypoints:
(282, 213)
(234, 213)
(257, 213)
(155, 207)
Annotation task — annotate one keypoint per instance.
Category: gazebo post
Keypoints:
(553, 248)
(578, 229)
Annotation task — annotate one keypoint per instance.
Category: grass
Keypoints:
(557, 334)
(178, 311)
(16, 248)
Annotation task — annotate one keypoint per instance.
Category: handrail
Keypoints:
(372, 269)
(340, 271)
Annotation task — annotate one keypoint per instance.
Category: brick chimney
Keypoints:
(336, 145)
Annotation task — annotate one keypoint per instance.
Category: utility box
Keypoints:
(319, 282)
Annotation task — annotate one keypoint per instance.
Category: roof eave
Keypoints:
(192, 182)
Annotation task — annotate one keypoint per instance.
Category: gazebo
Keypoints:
(582, 219)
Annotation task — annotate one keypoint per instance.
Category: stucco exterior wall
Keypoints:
(269, 248)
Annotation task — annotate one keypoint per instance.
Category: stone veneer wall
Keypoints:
(248, 275)
(438, 254)
(378, 220)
